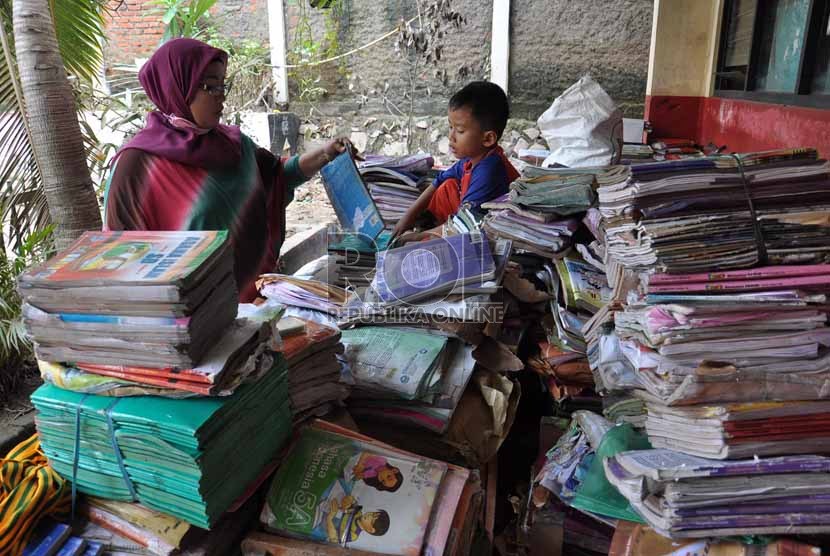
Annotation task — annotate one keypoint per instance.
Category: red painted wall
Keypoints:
(673, 116)
(740, 125)
(751, 126)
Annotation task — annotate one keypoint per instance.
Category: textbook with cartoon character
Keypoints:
(340, 490)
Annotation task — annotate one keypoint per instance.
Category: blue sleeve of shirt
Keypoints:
(489, 180)
(455, 171)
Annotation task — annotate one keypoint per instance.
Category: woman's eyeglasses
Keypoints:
(216, 90)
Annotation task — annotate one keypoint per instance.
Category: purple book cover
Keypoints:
(735, 521)
(47, 539)
(426, 268)
(786, 464)
(668, 464)
(74, 546)
(93, 549)
(790, 504)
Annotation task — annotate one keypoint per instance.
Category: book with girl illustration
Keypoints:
(342, 490)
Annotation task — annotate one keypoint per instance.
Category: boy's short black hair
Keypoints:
(381, 524)
(487, 102)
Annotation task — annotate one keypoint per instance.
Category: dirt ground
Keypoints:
(310, 207)
(17, 412)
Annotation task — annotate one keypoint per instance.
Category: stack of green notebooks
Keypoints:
(188, 458)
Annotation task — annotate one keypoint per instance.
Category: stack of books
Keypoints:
(691, 336)
(685, 496)
(732, 431)
(396, 362)
(675, 149)
(431, 410)
(395, 183)
(152, 299)
(180, 457)
(304, 293)
(533, 232)
(720, 212)
(312, 352)
(240, 355)
(355, 258)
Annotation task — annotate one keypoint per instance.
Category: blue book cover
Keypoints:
(93, 549)
(47, 539)
(356, 210)
(427, 268)
(74, 546)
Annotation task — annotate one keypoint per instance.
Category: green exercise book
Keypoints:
(189, 458)
(395, 361)
(344, 491)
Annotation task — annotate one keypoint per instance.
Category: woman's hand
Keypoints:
(338, 146)
(312, 161)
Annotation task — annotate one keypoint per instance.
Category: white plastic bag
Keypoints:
(583, 127)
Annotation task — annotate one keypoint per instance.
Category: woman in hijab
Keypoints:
(186, 171)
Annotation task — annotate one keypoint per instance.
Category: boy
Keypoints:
(353, 521)
(477, 116)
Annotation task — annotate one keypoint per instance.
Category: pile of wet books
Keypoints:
(685, 496)
(312, 352)
(150, 299)
(354, 257)
(395, 183)
(720, 212)
(189, 458)
(691, 337)
(413, 377)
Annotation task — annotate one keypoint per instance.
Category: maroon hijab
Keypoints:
(171, 78)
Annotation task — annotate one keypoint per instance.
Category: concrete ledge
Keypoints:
(303, 248)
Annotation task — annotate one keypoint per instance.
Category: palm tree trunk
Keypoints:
(53, 120)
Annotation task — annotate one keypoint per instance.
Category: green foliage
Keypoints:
(113, 114)
(79, 25)
(15, 347)
(183, 18)
(305, 48)
(249, 70)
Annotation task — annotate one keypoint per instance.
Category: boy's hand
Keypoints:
(347, 503)
(409, 237)
(398, 229)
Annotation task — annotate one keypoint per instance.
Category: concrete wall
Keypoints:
(553, 43)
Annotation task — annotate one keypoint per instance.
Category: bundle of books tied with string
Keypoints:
(125, 325)
(718, 325)
(720, 212)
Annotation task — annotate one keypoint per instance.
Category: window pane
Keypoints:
(739, 34)
(783, 27)
(821, 77)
